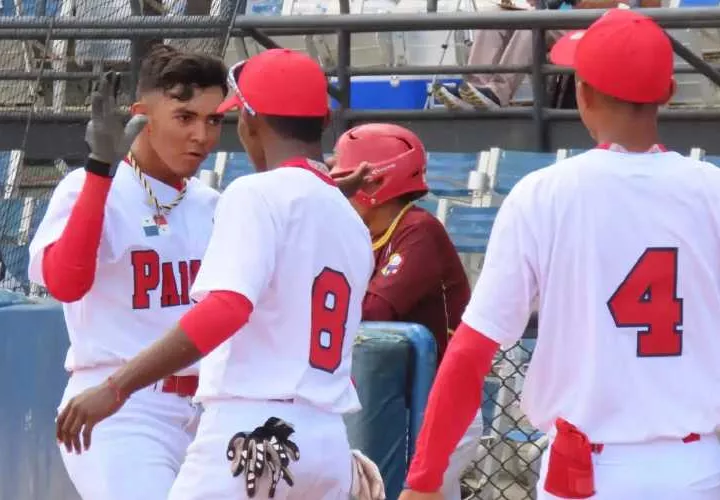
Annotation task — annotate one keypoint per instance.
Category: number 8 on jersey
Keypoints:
(329, 314)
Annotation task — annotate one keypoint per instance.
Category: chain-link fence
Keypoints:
(508, 459)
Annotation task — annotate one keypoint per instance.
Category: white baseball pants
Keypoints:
(461, 458)
(136, 453)
(658, 470)
(323, 471)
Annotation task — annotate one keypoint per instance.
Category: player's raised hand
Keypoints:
(108, 140)
(415, 495)
(349, 184)
(82, 413)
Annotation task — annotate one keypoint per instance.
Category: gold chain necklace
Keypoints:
(160, 208)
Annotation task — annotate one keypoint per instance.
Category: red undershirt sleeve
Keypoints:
(215, 319)
(69, 264)
(454, 401)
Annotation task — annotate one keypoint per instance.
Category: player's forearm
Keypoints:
(168, 355)
(207, 325)
(453, 403)
(69, 264)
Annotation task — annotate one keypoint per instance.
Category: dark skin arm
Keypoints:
(350, 184)
(170, 354)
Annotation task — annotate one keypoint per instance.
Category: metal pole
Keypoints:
(343, 79)
(695, 61)
(135, 53)
(388, 115)
(539, 48)
(364, 23)
(40, 8)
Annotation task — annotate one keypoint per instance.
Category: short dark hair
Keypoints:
(305, 129)
(166, 68)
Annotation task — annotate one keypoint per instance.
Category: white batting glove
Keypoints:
(367, 483)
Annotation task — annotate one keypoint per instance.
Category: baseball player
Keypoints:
(620, 246)
(279, 303)
(418, 276)
(120, 245)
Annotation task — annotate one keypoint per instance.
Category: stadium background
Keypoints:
(51, 51)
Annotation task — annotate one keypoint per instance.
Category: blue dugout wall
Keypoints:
(394, 365)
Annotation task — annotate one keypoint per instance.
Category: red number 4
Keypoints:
(328, 316)
(647, 299)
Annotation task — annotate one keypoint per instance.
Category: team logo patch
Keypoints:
(392, 266)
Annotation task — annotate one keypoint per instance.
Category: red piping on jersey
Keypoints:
(304, 164)
(215, 319)
(454, 401)
(68, 265)
(655, 148)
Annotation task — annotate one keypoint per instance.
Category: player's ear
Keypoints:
(142, 108)
(586, 94)
(139, 108)
(251, 122)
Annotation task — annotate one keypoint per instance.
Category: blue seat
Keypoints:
(469, 227)
(39, 209)
(17, 259)
(447, 173)
(238, 164)
(4, 166)
(29, 7)
(514, 165)
(429, 204)
(715, 160)
(10, 219)
(209, 162)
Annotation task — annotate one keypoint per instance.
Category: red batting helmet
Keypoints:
(396, 156)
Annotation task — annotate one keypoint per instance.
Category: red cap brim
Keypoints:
(229, 104)
(563, 51)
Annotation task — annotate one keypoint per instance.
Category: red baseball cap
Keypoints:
(623, 54)
(279, 82)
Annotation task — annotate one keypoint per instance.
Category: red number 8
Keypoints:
(329, 313)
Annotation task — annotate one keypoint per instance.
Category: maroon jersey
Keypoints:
(418, 276)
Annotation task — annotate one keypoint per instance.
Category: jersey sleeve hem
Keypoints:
(492, 331)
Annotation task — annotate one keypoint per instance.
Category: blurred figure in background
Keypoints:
(510, 48)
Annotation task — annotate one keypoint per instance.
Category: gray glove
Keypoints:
(105, 135)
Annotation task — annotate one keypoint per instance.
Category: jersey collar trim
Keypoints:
(617, 148)
(383, 240)
(319, 169)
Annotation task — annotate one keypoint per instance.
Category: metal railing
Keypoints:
(262, 28)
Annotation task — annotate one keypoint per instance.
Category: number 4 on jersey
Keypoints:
(647, 299)
(330, 303)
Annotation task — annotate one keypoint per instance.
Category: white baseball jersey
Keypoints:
(144, 270)
(291, 243)
(623, 252)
